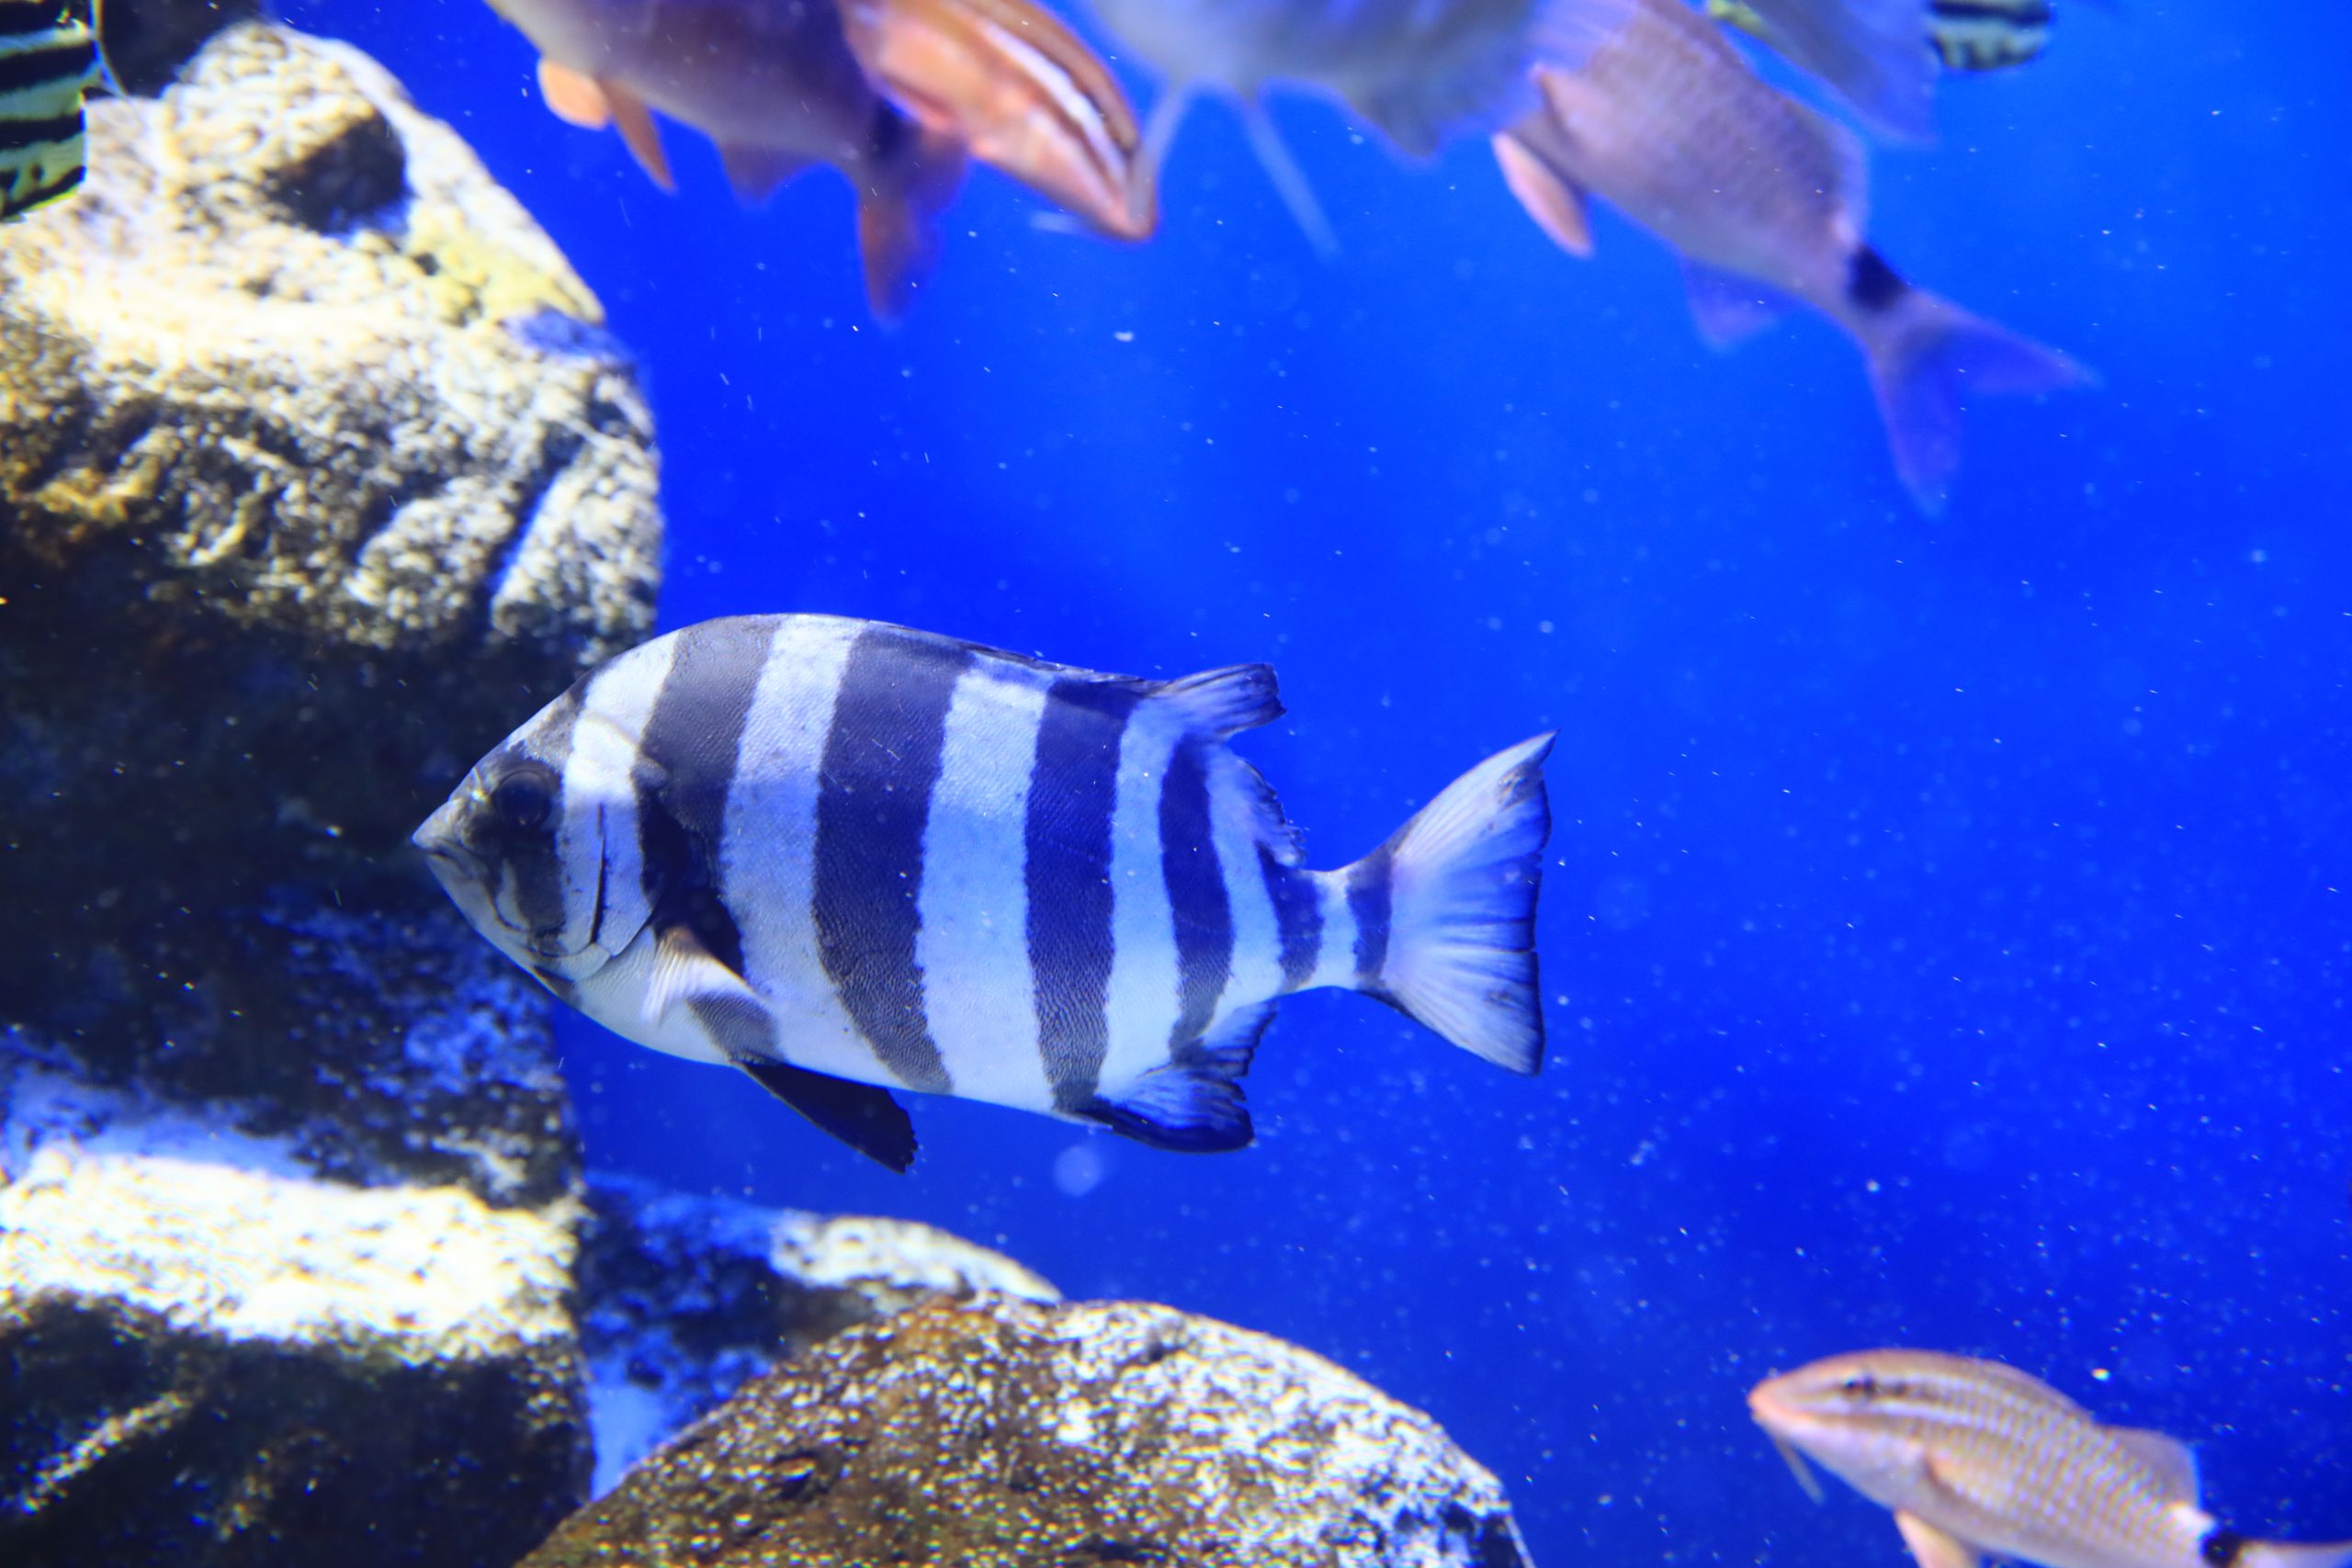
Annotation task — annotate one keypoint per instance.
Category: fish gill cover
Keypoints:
(1944, 934)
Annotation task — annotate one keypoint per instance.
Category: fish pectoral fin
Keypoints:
(1934, 1548)
(573, 98)
(1192, 1105)
(866, 1117)
(1558, 205)
(1727, 307)
(2168, 1456)
(685, 972)
(755, 174)
(638, 131)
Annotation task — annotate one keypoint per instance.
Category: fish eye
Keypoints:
(522, 797)
(1862, 1385)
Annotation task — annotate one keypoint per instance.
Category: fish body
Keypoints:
(853, 857)
(49, 63)
(1978, 1460)
(892, 93)
(1988, 35)
(1765, 200)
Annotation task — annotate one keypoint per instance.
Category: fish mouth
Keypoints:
(1781, 1421)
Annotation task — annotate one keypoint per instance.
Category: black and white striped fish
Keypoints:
(48, 61)
(1987, 35)
(851, 858)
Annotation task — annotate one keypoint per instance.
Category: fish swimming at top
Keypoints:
(1766, 201)
(1988, 35)
(1881, 56)
(1978, 1460)
(851, 858)
(49, 63)
(893, 93)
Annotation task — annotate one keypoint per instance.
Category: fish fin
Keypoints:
(1219, 703)
(1290, 180)
(1727, 307)
(1807, 1480)
(1934, 1548)
(573, 97)
(1167, 117)
(868, 1119)
(1262, 810)
(898, 230)
(643, 137)
(685, 971)
(1874, 54)
(1192, 1104)
(2168, 1456)
(1023, 95)
(1558, 205)
(1927, 357)
(1462, 878)
(755, 174)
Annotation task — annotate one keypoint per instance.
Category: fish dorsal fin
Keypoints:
(755, 174)
(1727, 307)
(2169, 1458)
(1218, 703)
(643, 137)
(1557, 205)
(866, 1117)
(685, 971)
(1192, 1104)
(573, 98)
(1934, 1548)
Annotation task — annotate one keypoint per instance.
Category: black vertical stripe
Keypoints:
(66, 58)
(1196, 893)
(533, 857)
(686, 770)
(1073, 794)
(1298, 916)
(1368, 903)
(19, 134)
(18, 17)
(873, 802)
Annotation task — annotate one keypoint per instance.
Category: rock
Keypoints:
(685, 1299)
(995, 1432)
(212, 1365)
(318, 473)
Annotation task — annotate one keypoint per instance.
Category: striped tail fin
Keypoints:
(1459, 883)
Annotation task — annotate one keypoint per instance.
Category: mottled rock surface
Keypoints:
(996, 1432)
(685, 1299)
(318, 473)
(213, 1365)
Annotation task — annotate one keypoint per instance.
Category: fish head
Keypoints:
(529, 848)
(1865, 1417)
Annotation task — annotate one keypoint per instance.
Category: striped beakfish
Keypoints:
(1881, 56)
(1766, 202)
(1988, 35)
(851, 858)
(1977, 1460)
(895, 93)
(49, 63)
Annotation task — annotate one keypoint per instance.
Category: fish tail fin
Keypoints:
(1445, 910)
(2296, 1555)
(898, 230)
(1927, 358)
(1290, 180)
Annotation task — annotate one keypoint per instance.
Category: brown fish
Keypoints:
(1977, 1460)
(893, 93)
(1765, 200)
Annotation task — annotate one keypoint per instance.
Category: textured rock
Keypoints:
(996, 1432)
(206, 1365)
(317, 474)
(685, 1299)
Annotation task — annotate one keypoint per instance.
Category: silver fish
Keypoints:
(1977, 1460)
(851, 858)
(1766, 202)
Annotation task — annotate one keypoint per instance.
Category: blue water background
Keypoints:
(1946, 922)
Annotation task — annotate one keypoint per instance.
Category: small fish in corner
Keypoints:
(895, 93)
(1978, 1460)
(49, 63)
(850, 858)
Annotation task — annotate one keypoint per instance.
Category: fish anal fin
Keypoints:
(1218, 703)
(1558, 207)
(573, 98)
(1934, 1548)
(643, 137)
(755, 174)
(1727, 307)
(898, 214)
(684, 972)
(868, 1119)
(1192, 1104)
(2168, 1457)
